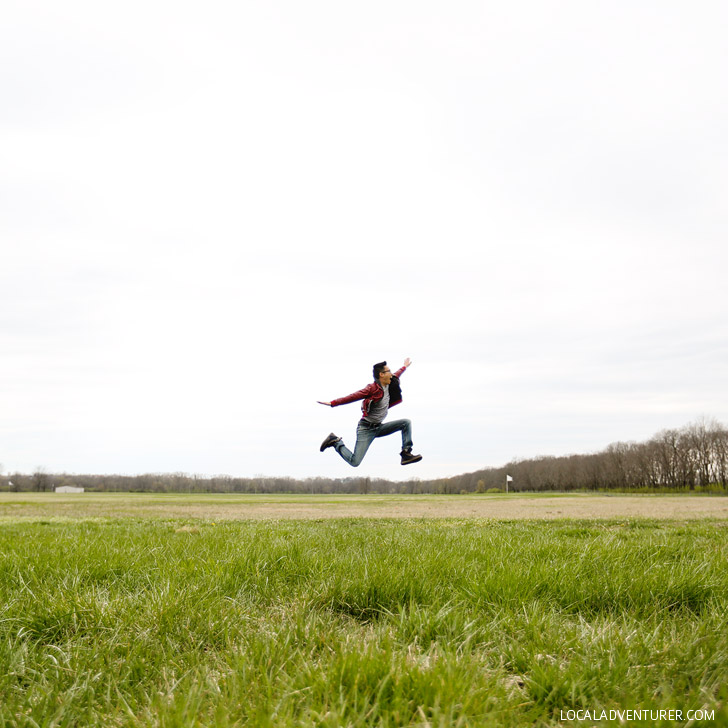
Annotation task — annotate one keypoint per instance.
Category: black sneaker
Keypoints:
(329, 441)
(408, 457)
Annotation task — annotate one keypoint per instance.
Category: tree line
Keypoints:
(694, 457)
(691, 458)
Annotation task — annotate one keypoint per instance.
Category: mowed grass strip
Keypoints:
(358, 622)
(247, 506)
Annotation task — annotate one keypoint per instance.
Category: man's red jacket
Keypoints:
(373, 392)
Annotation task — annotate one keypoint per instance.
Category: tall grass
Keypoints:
(358, 622)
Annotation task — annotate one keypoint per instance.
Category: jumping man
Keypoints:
(384, 392)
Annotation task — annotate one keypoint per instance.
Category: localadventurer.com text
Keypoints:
(630, 715)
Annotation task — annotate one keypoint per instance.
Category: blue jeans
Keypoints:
(367, 432)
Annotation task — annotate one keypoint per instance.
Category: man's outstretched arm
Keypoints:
(355, 396)
(403, 368)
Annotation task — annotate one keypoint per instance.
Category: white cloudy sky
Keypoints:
(214, 214)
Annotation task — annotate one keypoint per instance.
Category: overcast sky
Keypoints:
(214, 214)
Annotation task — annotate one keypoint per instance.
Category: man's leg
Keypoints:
(403, 426)
(365, 434)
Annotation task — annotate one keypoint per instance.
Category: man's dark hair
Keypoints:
(378, 368)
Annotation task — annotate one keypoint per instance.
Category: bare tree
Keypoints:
(719, 439)
(40, 479)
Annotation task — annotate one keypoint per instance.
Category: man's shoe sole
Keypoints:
(330, 441)
(415, 459)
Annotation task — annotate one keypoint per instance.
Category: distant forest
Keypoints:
(693, 458)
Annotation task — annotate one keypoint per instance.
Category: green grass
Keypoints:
(357, 622)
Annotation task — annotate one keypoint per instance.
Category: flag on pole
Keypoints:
(509, 479)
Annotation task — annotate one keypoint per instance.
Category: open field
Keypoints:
(244, 506)
(152, 619)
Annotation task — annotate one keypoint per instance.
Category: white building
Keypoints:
(68, 489)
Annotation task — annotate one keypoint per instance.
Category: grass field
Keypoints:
(184, 621)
